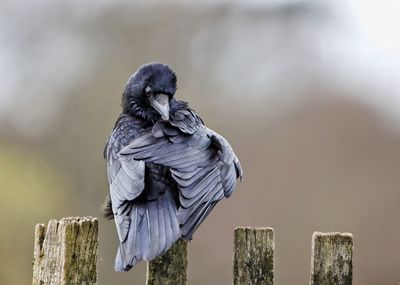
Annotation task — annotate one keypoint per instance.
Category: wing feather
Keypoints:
(201, 162)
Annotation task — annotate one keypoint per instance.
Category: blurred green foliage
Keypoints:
(31, 189)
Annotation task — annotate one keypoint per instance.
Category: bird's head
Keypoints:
(149, 92)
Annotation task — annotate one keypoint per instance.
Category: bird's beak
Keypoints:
(160, 102)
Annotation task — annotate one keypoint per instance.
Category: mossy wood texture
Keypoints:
(253, 256)
(170, 268)
(332, 259)
(66, 252)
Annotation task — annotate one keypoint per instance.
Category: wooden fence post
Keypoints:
(332, 259)
(170, 268)
(253, 256)
(66, 252)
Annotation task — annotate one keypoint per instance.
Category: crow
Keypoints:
(166, 169)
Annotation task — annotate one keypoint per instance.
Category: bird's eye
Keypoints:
(148, 91)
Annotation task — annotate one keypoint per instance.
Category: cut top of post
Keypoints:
(332, 258)
(253, 256)
(66, 252)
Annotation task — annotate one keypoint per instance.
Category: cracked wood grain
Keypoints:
(332, 259)
(66, 252)
(253, 260)
(169, 268)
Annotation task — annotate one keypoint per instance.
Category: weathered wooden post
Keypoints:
(66, 252)
(170, 268)
(332, 259)
(253, 261)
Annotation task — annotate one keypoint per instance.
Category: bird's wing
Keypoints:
(126, 179)
(153, 229)
(201, 162)
(146, 227)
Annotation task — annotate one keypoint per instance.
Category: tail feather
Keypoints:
(154, 228)
(107, 209)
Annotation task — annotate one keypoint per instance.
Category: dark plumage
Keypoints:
(166, 170)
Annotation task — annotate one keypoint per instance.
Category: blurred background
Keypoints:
(307, 92)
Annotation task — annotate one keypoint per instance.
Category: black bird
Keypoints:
(166, 170)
